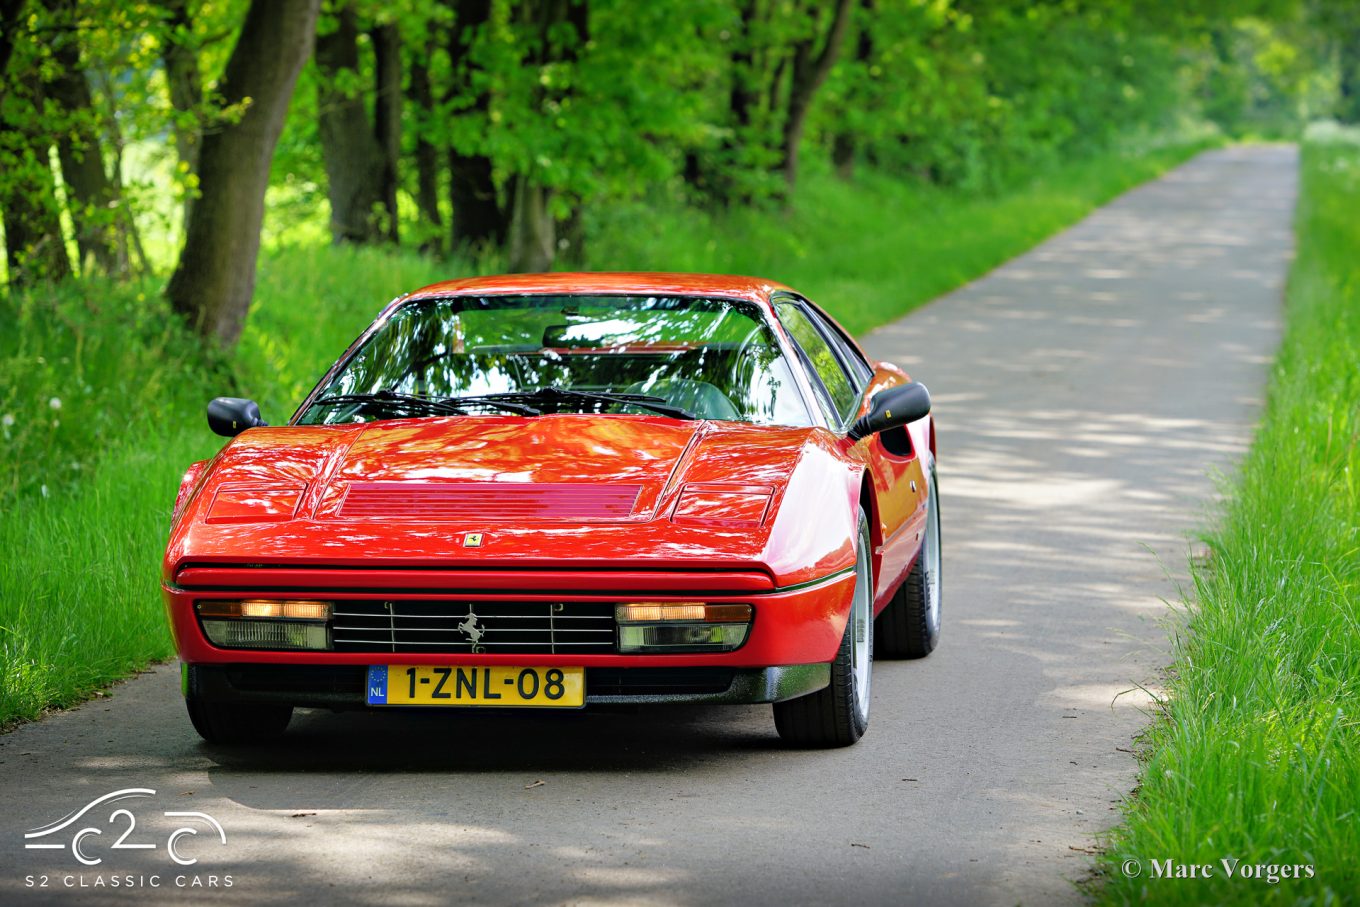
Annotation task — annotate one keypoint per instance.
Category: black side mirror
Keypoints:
(891, 408)
(229, 416)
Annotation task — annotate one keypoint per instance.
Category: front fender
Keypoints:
(188, 486)
(813, 535)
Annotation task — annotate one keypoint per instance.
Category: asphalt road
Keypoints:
(1085, 392)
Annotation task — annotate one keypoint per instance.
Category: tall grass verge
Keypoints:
(86, 486)
(1255, 759)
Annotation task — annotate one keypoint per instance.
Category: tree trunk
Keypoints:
(533, 233)
(127, 238)
(180, 55)
(10, 11)
(843, 151)
(71, 117)
(845, 144)
(744, 95)
(809, 72)
(215, 278)
(427, 156)
(717, 180)
(387, 115)
(477, 217)
(349, 148)
(533, 229)
(1348, 83)
(35, 249)
(571, 238)
(90, 197)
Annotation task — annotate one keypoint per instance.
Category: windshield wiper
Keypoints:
(449, 406)
(550, 395)
(496, 400)
(519, 402)
(392, 400)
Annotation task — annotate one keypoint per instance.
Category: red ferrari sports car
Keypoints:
(561, 490)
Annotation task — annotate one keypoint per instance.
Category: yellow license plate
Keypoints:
(484, 685)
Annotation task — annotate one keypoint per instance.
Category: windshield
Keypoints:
(674, 355)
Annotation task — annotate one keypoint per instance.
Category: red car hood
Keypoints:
(580, 490)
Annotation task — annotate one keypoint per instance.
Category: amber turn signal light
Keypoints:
(698, 612)
(660, 627)
(266, 608)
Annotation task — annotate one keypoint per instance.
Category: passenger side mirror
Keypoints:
(892, 408)
(229, 416)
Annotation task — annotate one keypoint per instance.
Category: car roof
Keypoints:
(755, 289)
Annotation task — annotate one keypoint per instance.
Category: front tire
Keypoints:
(231, 722)
(909, 627)
(838, 715)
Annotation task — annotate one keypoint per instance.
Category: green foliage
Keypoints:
(83, 366)
(975, 94)
(612, 98)
(1256, 754)
(1255, 77)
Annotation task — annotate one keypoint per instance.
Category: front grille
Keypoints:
(531, 628)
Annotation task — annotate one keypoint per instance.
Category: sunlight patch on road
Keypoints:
(1102, 696)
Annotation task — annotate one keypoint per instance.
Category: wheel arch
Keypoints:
(868, 502)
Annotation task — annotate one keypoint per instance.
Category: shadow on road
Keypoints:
(616, 739)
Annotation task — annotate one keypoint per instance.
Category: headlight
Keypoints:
(266, 624)
(681, 626)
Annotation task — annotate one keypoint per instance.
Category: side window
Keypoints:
(836, 391)
(860, 370)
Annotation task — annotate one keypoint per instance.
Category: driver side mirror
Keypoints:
(892, 408)
(229, 416)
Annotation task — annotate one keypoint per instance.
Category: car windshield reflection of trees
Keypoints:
(714, 358)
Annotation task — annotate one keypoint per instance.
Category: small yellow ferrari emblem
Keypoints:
(472, 540)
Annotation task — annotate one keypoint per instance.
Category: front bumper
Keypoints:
(792, 626)
(343, 686)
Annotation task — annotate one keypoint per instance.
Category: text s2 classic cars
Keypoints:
(553, 491)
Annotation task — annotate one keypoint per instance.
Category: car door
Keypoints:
(840, 377)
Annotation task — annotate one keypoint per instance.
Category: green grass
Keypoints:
(1256, 755)
(86, 489)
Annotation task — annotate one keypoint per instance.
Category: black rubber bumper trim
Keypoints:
(342, 686)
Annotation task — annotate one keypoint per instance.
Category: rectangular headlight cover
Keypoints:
(266, 634)
(681, 626)
(287, 624)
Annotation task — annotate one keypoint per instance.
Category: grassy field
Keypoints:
(1256, 757)
(102, 393)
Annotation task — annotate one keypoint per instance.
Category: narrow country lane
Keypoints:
(1085, 393)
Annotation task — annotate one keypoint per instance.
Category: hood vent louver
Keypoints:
(498, 501)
